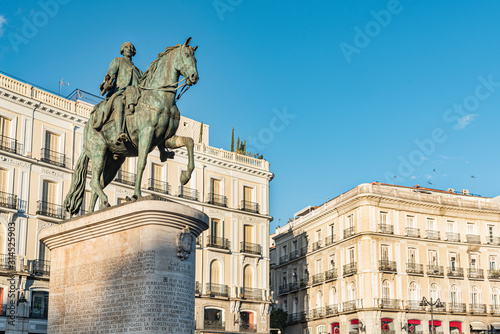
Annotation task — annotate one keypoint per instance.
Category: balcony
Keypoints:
(433, 270)
(283, 259)
(197, 288)
(457, 308)
(452, 236)
(473, 238)
(248, 247)
(7, 262)
(250, 206)
(349, 306)
(214, 325)
(251, 293)
(349, 231)
(316, 245)
(495, 309)
(474, 273)
(41, 268)
(387, 266)
(433, 235)
(294, 255)
(329, 240)
(455, 272)
(413, 232)
(303, 251)
(293, 318)
(10, 145)
(318, 278)
(54, 158)
(494, 240)
(386, 228)
(159, 186)
(125, 178)
(318, 312)
(494, 274)
(477, 308)
(414, 268)
(217, 242)
(414, 305)
(283, 288)
(330, 274)
(387, 303)
(294, 286)
(216, 199)
(217, 290)
(350, 269)
(8, 201)
(188, 193)
(332, 309)
(50, 210)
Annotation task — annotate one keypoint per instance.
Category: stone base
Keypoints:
(126, 269)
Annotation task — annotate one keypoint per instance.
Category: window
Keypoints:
(450, 226)
(331, 229)
(321, 329)
(432, 257)
(247, 277)
(331, 261)
(3, 180)
(333, 296)
(52, 141)
(386, 290)
(5, 126)
(431, 224)
(248, 233)
(294, 275)
(413, 292)
(410, 221)
(215, 272)
(383, 218)
(454, 295)
(471, 228)
(473, 261)
(351, 255)
(215, 186)
(434, 291)
(494, 298)
(352, 292)
(453, 261)
(248, 194)
(40, 304)
(216, 231)
(350, 221)
(306, 303)
(157, 171)
(491, 233)
(319, 299)
(283, 250)
(493, 262)
(49, 192)
(319, 266)
(317, 236)
(475, 296)
(412, 255)
(295, 246)
(384, 252)
(295, 305)
(285, 306)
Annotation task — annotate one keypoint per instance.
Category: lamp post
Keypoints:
(436, 303)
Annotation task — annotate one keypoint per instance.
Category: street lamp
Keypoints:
(436, 303)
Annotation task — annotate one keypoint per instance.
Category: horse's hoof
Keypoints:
(128, 199)
(184, 177)
(134, 198)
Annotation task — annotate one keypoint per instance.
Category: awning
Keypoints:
(436, 323)
(478, 326)
(414, 322)
(335, 324)
(354, 322)
(456, 324)
(387, 320)
(495, 325)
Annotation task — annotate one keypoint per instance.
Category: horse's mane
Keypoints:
(149, 74)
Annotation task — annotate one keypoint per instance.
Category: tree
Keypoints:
(232, 140)
(278, 319)
(238, 145)
(244, 148)
(201, 133)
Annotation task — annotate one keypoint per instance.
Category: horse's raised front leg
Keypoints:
(178, 141)
(145, 140)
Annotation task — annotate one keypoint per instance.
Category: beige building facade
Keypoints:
(41, 137)
(363, 261)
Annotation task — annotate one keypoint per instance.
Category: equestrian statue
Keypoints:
(138, 114)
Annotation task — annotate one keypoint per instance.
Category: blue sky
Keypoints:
(333, 93)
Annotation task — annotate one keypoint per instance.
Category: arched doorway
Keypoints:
(387, 325)
(455, 327)
(213, 319)
(414, 326)
(247, 321)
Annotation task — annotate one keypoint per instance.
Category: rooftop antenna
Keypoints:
(62, 83)
(472, 177)
(434, 171)
(395, 177)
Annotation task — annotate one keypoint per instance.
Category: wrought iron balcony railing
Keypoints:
(125, 178)
(10, 145)
(473, 239)
(250, 206)
(251, 293)
(318, 278)
(214, 324)
(413, 232)
(197, 288)
(477, 308)
(8, 200)
(294, 255)
(293, 318)
(216, 199)
(452, 236)
(455, 272)
(50, 210)
(414, 305)
(330, 274)
(349, 306)
(283, 259)
(316, 245)
(159, 186)
(414, 268)
(283, 288)
(434, 270)
(41, 267)
(494, 274)
(441, 308)
(246, 327)
(329, 240)
(388, 303)
(495, 308)
(350, 269)
(454, 307)
(474, 273)
(188, 193)
(294, 286)
(7, 262)
(387, 266)
(332, 309)
(303, 251)
(349, 231)
(433, 235)
(217, 242)
(248, 247)
(219, 290)
(54, 158)
(386, 228)
(318, 312)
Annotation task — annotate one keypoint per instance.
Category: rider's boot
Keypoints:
(122, 137)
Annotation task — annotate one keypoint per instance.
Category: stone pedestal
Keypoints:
(126, 269)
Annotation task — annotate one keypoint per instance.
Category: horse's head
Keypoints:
(185, 62)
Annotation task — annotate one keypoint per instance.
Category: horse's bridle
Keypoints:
(171, 88)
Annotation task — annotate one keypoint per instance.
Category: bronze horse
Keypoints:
(153, 124)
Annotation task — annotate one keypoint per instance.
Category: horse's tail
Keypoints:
(74, 198)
